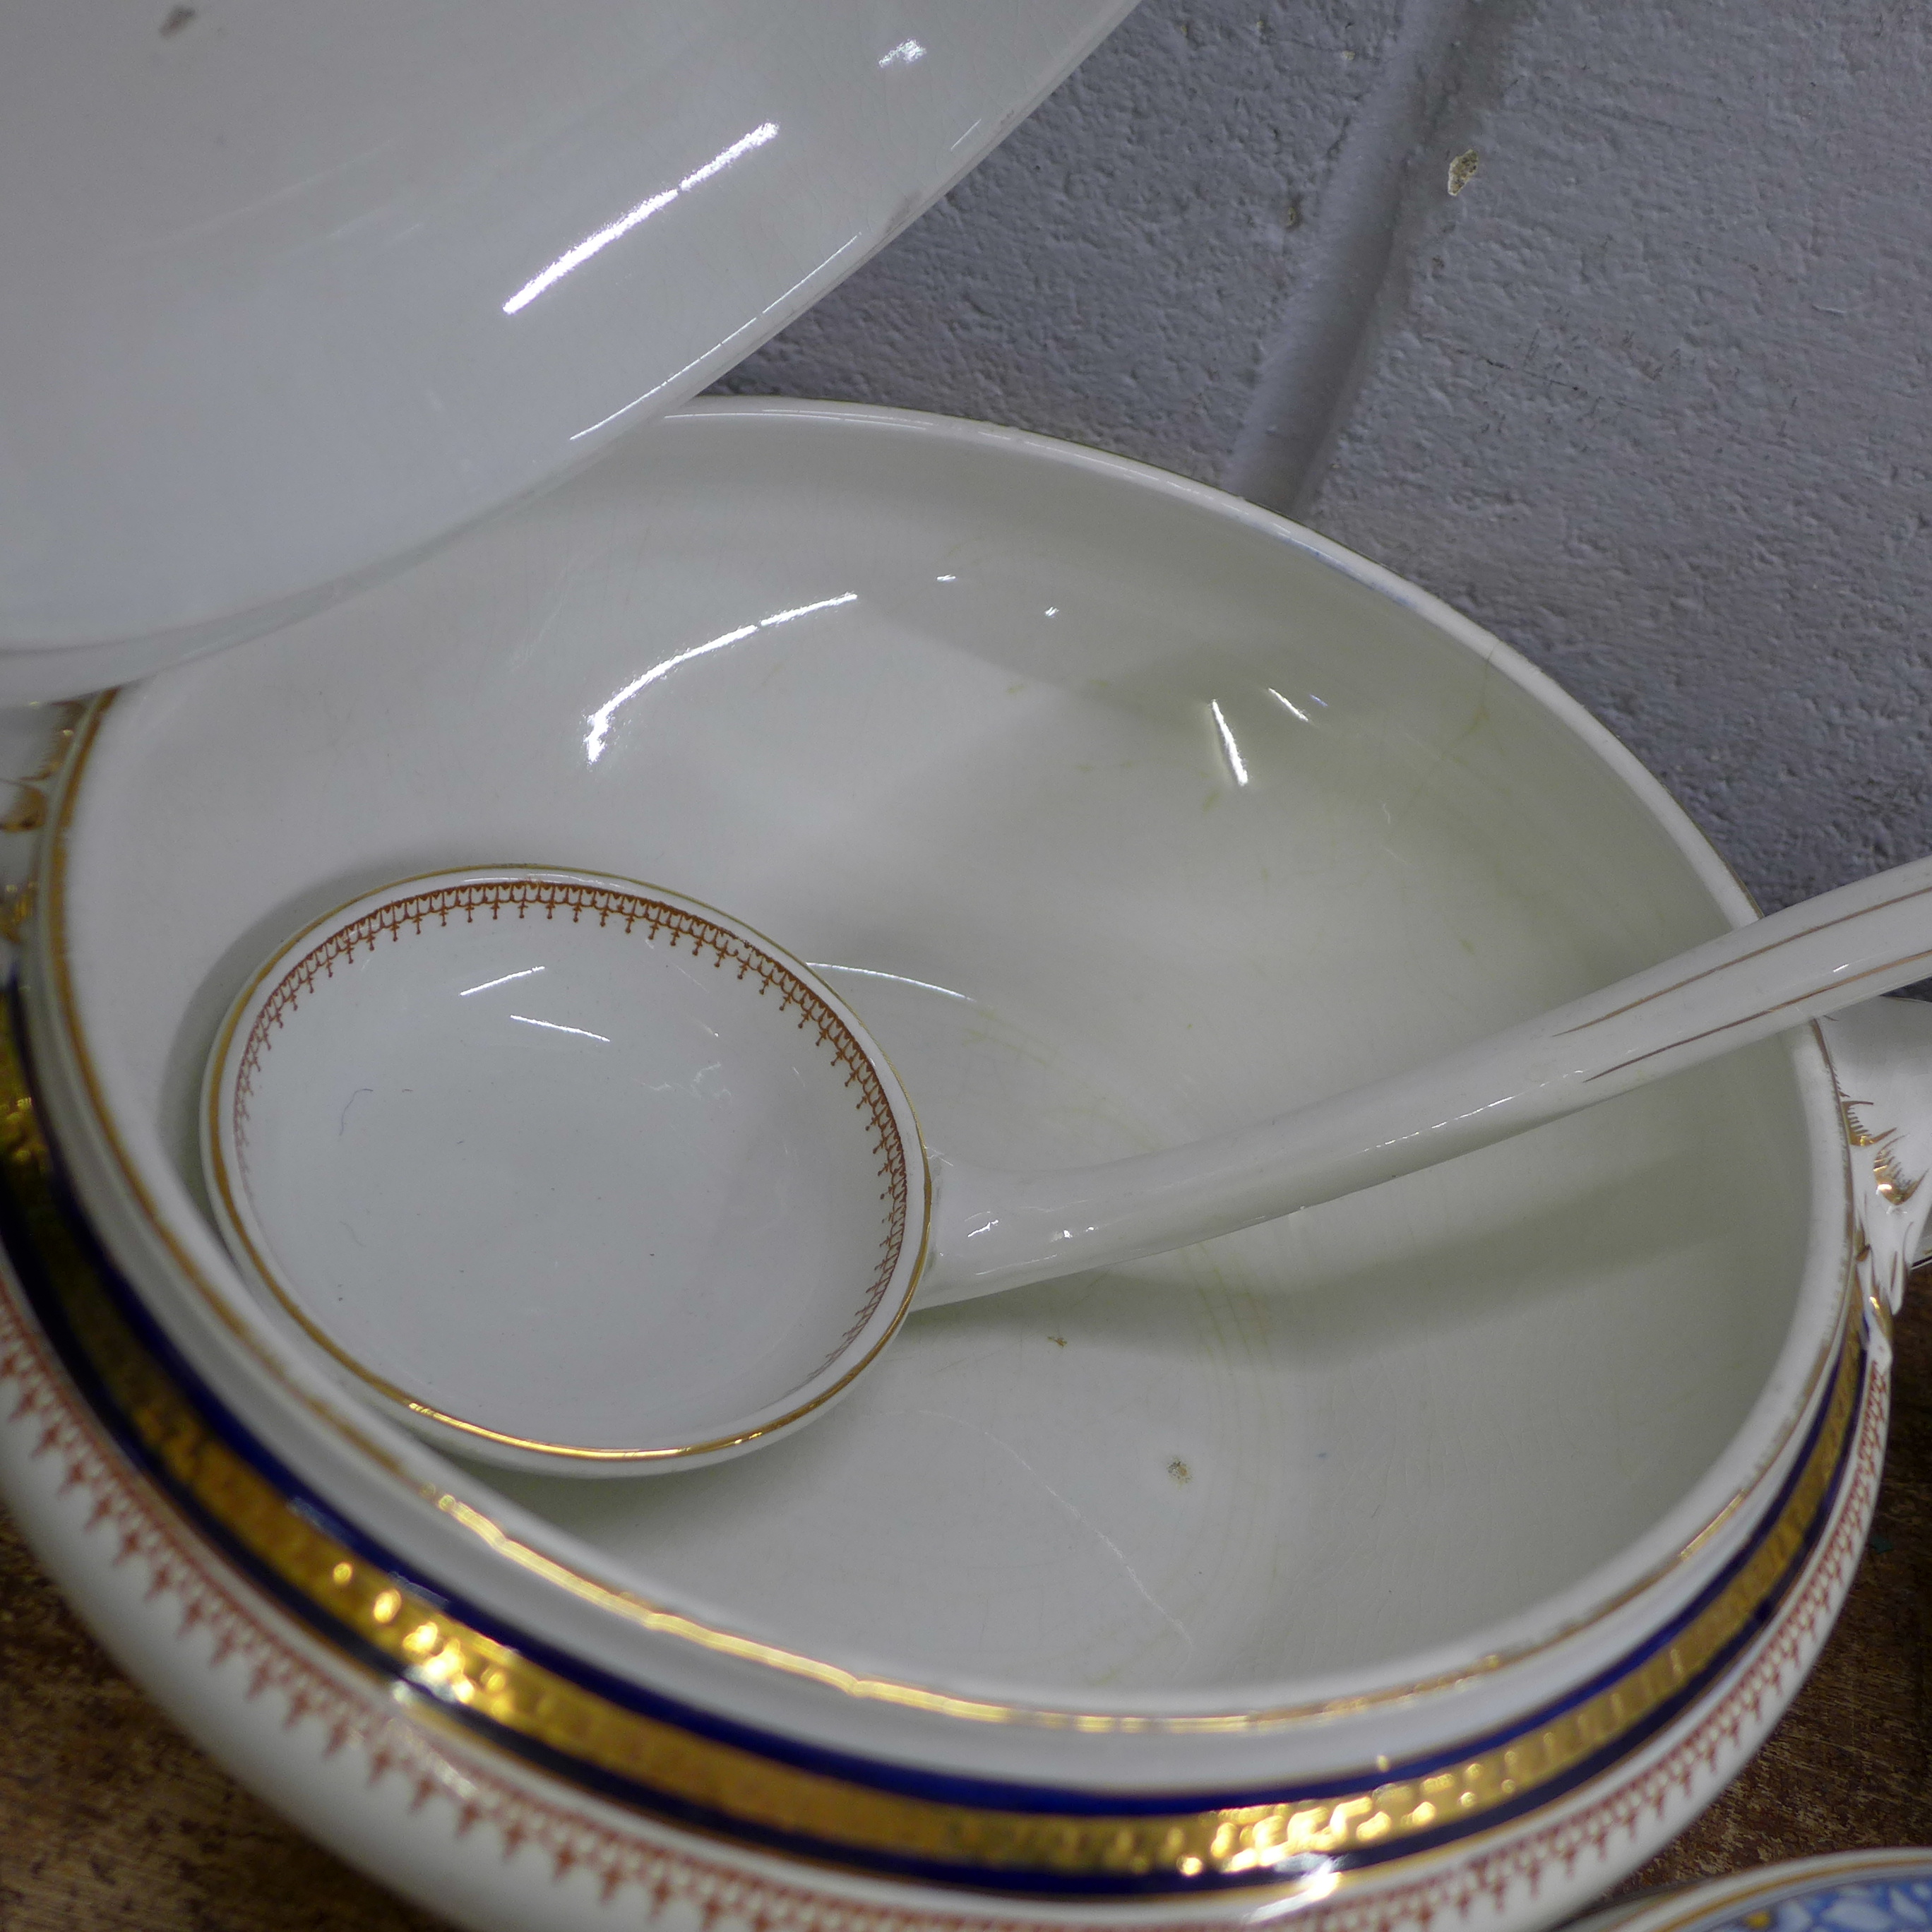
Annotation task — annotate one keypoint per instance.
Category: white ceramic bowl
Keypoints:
(1303, 1562)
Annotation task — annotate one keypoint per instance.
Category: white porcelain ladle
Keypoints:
(582, 1176)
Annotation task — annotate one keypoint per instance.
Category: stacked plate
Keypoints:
(1445, 1546)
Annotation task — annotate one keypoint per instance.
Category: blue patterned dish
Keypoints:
(1850, 1892)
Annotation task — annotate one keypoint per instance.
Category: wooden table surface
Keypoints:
(109, 1819)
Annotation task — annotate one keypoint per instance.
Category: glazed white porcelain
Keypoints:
(565, 1169)
(674, 1226)
(291, 294)
(957, 713)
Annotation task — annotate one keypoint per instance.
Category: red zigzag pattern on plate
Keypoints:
(425, 1766)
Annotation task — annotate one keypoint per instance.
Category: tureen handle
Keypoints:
(34, 739)
(1881, 1054)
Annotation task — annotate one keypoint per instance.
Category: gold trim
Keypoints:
(460, 1666)
(1888, 1176)
(1758, 952)
(555, 889)
(642, 1612)
(60, 741)
(16, 908)
(28, 811)
(1764, 1013)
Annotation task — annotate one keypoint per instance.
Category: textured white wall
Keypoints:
(1652, 398)
(1114, 272)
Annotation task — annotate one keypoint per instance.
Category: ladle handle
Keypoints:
(992, 1230)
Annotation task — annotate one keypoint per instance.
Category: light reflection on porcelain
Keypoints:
(313, 291)
(593, 244)
(1447, 1451)
(600, 720)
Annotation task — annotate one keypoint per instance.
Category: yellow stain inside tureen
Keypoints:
(458, 1667)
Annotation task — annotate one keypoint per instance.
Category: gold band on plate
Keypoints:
(737, 1790)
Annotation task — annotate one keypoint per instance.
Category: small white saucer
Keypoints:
(564, 1168)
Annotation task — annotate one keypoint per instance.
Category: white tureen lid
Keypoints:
(288, 293)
